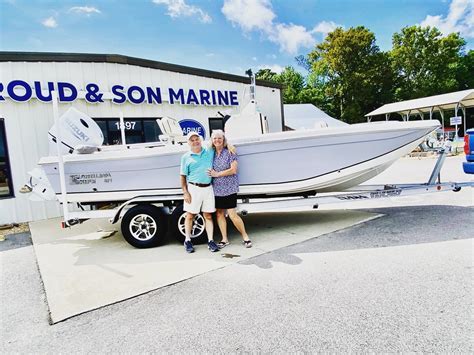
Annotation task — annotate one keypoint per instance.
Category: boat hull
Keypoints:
(285, 163)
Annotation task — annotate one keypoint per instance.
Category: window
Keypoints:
(151, 130)
(6, 188)
(137, 130)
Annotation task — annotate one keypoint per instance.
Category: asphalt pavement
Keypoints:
(399, 283)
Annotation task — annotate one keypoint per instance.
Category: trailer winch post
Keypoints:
(436, 173)
(62, 180)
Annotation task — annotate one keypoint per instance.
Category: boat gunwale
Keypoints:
(242, 142)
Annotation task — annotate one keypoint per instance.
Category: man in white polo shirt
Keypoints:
(197, 189)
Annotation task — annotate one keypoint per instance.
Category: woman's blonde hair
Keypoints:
(220, 133)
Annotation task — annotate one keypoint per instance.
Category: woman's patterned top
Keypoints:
(224, 185)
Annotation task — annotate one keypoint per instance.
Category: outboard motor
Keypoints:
(77, 130)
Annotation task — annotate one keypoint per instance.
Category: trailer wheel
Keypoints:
(144, 226)
(198, 232)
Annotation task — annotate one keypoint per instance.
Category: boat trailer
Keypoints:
(146, 219)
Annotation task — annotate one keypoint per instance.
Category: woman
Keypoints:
(226, 186)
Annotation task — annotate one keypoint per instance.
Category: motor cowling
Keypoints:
(77, 129)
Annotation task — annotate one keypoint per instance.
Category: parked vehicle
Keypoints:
(468, 165)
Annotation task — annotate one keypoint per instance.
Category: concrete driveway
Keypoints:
(81, 270)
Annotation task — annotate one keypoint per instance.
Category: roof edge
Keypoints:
(467, 93)
(7, 56)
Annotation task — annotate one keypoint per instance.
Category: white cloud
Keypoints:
(250, 14)
(210, 55)
(273, 67)
(292, 37)
(87, 10)
(254, 59)
(324, 27)
(50, 22)
(258, 15)
(178, 8)
(460, 19)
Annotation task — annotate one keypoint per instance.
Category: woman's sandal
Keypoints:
(247, 243)
(221, 245)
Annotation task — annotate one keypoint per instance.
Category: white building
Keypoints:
(104, 86)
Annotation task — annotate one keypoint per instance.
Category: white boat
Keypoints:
(287, 163)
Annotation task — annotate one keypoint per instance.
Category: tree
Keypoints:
(266, 74)
(303, 62)
(353, 73)
(293, 83)
(425, 62)
(349, 76)
(315, 93)
(465, 73)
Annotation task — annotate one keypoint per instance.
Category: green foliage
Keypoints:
(348, 76)
(293, 82)
(355, 73)
(425, 62)
(266, 74)
(303, 62)
(465, 72)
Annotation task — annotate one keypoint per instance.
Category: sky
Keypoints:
(221, 35)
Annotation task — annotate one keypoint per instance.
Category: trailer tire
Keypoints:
(198, 236)
(144, 226)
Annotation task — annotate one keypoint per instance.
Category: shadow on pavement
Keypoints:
(14, 241)
(399, 226)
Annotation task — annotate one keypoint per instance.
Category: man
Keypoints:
(197, 189)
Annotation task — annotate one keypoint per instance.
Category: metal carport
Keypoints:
(441, 103)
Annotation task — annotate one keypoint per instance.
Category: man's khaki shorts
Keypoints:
(202, 200)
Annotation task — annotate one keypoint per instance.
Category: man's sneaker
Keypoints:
(212, 246)
(188, 246)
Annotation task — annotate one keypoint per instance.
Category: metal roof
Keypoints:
(424, 104)
(122, 59)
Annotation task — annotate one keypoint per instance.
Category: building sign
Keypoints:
(21, 91)
(189, 125)
(455, 120)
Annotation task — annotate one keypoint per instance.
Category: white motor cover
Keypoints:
(246, 124)
(77, 129)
